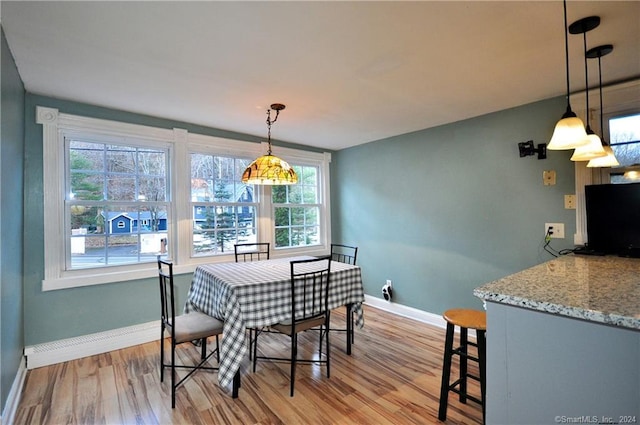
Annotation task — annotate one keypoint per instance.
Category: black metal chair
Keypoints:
(183, 328)
(345, 254)
(252, 251)
(247, 252)
(309, 309)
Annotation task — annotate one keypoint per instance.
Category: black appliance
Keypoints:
(613, 219)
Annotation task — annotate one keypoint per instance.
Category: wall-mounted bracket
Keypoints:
(528, 149)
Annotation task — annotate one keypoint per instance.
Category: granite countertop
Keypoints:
(598, 289)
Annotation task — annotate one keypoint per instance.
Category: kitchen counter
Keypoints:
(598, 289)
(563, 343)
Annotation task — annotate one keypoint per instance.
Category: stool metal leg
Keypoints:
(464, 350)
(446, 373)
(482, 360)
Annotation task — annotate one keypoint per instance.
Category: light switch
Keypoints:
(549, 177)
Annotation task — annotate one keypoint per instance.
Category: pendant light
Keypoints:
(593, 149)
(609, 160)
(269, 169)
(632, 174)
(569, 132)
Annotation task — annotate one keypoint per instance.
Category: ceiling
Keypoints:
(348, 72)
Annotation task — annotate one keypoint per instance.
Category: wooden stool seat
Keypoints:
(465, 319)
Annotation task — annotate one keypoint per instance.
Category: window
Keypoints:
(624, 133)
(116, 203)
(116, 195)
(620, 121)
(297, 210)
(224, 208)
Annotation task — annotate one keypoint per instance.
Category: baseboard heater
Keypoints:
(88, 345)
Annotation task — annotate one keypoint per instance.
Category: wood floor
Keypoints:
(393, 377)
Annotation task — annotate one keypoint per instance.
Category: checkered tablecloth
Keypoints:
(255, 294)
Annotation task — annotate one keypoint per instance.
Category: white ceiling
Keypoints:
(349, 72)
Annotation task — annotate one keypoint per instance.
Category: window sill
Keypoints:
(90, 277)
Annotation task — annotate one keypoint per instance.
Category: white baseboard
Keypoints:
(403, 310)
(88, 345)
(13, 399)
(411, 313)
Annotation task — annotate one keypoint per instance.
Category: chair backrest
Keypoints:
(167, 297)
(309, 288)
(252, 251)
(344, 253)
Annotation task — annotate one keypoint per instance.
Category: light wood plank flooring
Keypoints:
(393, 377)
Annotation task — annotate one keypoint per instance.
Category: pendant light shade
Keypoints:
(569, 132)
(610, 159)
(604, 161)
(591, 150)
(632, 174)
(269, 169)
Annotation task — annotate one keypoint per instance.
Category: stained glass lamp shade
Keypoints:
(269, 169)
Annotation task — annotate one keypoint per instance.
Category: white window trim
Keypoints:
(323, 161)
(618, 98)
(180, 143)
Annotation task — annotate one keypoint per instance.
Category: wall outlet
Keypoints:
(549, 177)
(570, 202)
(556, 232)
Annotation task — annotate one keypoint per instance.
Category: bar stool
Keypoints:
(465, 319)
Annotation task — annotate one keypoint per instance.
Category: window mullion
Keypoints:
(181, 199)
(266, 215)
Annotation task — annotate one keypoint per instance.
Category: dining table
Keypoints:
(248, 295)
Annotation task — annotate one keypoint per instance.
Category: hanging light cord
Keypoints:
(586, 79)
(600, 84)
(566, 52)
(269, 122)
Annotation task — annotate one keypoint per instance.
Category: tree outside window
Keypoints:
(297, 210)
(224, 209)
(116, 203)
(624, 132)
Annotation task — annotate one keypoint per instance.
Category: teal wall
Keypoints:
(66, 313)
(462, 209)
(444, 210)
(11, 220)
(439, 211)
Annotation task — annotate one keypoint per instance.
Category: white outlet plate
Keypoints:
(558, 230)
(549, 177)
(570, 202)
